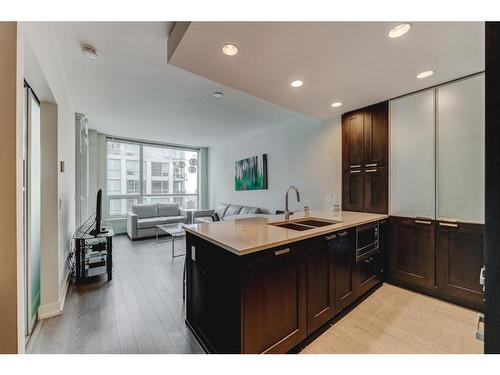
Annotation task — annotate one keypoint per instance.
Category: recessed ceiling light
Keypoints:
(399, 30)
(230, 49)
(89, 51)
(336, 104)
(218, 94)
(425, 74)
(296, 83)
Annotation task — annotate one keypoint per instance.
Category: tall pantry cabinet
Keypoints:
(436, 191)
(365, 159)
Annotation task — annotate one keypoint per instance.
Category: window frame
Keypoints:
(142, 196)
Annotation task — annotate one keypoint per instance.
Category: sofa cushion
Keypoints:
(233, 209)
(221, 209)
(152, 222)
(175, 219)
(245, 210)
(145, 210)
(203, 219)
(168, 209)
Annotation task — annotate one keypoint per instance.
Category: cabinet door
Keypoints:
(411, 156)
(376, 136)
(375, 190)
(345, 259)
(367, 274)
(274, 300)
(383, 247)
(459, 261)
(412, 251)
(352, 140)
(353, 190)
(320, 282)
(460, 171)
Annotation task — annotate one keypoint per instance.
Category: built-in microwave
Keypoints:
(366, 240)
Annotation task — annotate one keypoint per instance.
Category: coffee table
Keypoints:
(175, 231)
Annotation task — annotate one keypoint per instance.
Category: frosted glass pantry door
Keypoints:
(412, 157)
(460, 149)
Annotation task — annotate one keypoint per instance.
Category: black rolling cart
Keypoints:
(93, 255)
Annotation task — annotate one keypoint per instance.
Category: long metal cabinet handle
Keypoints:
(358, 171)
(370, 170)
(331, 237)
(371, 165)
(282, 251)
(452, 225)
(426, 222)
(356, 166)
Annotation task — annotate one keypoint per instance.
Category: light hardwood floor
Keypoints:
(141, 311)
(396, 321)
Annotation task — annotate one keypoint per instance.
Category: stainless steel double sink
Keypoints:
(305, 224)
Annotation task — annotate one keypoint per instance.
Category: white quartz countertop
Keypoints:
(249, 234)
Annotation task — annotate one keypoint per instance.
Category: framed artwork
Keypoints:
(251, 173)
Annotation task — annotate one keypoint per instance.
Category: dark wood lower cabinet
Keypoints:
(344, 248)
(274, 300)
(460, 257)
(441, 259)
(320, 282)
(412, 251)
(270, 301)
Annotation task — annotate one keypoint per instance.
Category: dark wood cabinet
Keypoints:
(353, 190)
(365, 135)
(412, 251)
(320, 282)
(375, 192)
(344, 248)
(271, 300)
(460, 257)
(367, 274)
(274, 291)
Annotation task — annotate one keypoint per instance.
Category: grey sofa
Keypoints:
(143, 218)
(226, 211)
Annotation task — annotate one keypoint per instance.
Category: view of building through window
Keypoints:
(169, 175)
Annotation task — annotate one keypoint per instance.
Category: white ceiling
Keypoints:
(131, 91)
(352, 62)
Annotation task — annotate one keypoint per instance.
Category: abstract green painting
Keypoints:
(251, 173)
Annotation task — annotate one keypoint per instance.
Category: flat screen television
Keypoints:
(98, 212)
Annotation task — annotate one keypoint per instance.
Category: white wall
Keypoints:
(40, 36)
(301, 152)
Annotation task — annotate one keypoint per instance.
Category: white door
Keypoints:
(412, 156)
(460, 150)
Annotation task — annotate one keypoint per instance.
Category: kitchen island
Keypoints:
(264, 284)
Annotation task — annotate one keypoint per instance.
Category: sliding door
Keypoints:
(411, 189)
(460, 188)
(32, 207)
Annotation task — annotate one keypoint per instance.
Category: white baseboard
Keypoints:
(55, 308)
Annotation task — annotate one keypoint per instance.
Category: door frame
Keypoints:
(492, 187)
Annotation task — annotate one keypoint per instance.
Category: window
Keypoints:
(114, 176)
(179, 187)
(169, 175)
(159, 169)
(159, 187)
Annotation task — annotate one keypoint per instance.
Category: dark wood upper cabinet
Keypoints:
(353, 140)
(460, 249)
(411, 252)
(274, 288)
(376, 135)
(320, 282)
(365, 137)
